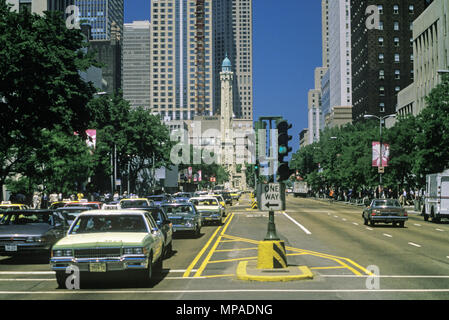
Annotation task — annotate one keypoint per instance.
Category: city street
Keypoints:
(329, 238)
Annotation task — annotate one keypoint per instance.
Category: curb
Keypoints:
(247, 271)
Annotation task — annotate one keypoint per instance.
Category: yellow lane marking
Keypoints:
(324, 268)
(232, 250)
(194, 262)
(211, 252)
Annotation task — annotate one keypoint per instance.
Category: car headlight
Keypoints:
(138, 250)
(35, 239)
(62, 253)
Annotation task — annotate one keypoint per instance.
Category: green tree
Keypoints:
(432, 134)
(40, 83)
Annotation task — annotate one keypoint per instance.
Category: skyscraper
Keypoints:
(232, 37)
(382, 57)
(136, 63)
(181, 58)
(39, 6)
(102, 15)
(190, 39)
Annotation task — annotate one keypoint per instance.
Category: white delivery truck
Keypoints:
(436, 203)
(300, 189)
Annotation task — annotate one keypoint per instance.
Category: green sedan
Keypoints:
(103, 241)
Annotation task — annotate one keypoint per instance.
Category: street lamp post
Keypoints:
(381, 119)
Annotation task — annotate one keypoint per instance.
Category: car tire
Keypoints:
(426, 217)
(61, 278)
(402, 224)
(146, 276)
(372, 223)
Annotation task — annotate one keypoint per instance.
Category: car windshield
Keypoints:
(133, 204)
(386, 203)
(205, 202)
(27, 218)
(109, 223)
(178, 209)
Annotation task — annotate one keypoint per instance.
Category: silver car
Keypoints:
(184, 217)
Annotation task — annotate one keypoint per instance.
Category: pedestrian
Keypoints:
(36, 201)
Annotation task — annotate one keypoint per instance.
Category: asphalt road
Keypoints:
(350, 261)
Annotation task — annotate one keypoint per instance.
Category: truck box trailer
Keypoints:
(436, 203)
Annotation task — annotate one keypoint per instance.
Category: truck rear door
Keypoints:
(444, 195)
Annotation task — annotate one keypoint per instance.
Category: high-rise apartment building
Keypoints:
(382, 57)
(181, 58)
(136, 65)
(39, 6)
(325, 31)
(190, 39)
(103, 16)
(232, 37)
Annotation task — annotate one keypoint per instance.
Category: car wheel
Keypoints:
(426, 217)
(372, 223)
(402, 224)
(61, 278)
(147, 275)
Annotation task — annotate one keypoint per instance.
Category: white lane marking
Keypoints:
(335, 216)
(53, 272)
(383, 276)
(388, 235)
(414, 244)
(72, 292)
(368, 228)
(343, 219)
(355, 223)
(417, 224)
(17, 279)
(298, 224)
(439, 230)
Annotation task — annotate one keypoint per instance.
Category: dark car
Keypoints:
(159, 199)
(30, 231)
(70, 213)
(385, 211)
(165, 225)
(184, 217)
(227, 197)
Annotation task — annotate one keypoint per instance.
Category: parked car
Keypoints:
(184, 217)
(102, 241)
(30, 231)
(70, 213)
(210, 209)
(385, 211)
(227, 198)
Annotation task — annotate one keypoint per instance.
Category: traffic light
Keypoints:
(283, 172)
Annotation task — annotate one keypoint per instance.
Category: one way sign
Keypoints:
(271, 198)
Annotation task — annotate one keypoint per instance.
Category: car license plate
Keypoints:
(10, 248)
(97, 267)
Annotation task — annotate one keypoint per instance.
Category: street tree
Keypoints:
(40, 85)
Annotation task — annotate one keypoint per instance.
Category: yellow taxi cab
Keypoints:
(8, 205)
(60, 204)
(220, 199)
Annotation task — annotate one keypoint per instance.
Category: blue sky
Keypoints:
(286, 50)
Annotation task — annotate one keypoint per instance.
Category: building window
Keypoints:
(397, 74)
(380, 8)
(396, 41)
(396, 26)
(381, 58)
(381, 41)
(396, 57)
(382, 107)
(382, 91)
(411, 9)
(396, 9)
(381, 74)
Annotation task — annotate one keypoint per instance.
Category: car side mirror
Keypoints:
(154, 230)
